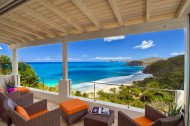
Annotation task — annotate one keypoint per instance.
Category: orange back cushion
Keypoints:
(1, 90)
(22, 112)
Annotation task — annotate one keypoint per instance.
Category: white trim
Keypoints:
(187, 69)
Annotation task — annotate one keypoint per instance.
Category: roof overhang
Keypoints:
(39, 22)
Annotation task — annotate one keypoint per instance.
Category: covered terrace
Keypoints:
(25, 23)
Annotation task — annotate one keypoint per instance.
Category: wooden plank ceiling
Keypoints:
(42, 19)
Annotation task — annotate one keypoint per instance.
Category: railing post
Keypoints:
(43, 83)
(94, 92)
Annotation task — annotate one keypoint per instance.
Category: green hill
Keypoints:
(144, 62)
(167, 73)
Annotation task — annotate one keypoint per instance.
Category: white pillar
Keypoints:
(15, 66)
(187, 71)
(14, 62)
(65, 61)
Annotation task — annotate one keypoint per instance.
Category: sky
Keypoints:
(162, 44)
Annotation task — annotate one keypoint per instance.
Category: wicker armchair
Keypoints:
(157, 118)
(51, 118)
(19, 100)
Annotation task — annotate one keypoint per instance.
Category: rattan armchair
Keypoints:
(19, 100)
(157, 118)
(51, 118)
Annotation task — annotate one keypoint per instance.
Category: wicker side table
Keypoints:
(99, 120)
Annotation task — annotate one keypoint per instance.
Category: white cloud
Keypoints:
(112, 58)
(74, 59)
(177, 53)
(145, 44)
(1, 48)
(43, 59)
(109, 39)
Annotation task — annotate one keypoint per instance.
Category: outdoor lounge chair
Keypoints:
(19, 100)
(152, 118)
(37, 112)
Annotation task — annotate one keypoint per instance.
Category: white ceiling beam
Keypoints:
(30, 23)
(15, 31)
(61, 14)
(87, 12)
(22, 39)
(10, 36)
(182, 7)
(37, 42)
(42, 18)
(7, 41)
(148, 9)
(133, 29)
(115, 10)
(21, 28)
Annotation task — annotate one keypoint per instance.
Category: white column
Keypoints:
(64, 86)
(187, 70)
(15, 67)
(14, 62)
(65, 60)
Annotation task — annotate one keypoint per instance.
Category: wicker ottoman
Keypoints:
(99, 120)
(73, 110)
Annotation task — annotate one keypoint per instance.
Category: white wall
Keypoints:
(2, 81)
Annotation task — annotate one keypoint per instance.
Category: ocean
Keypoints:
(83, 72)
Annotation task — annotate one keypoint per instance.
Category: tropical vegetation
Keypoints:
(168, 74)
(28, 76)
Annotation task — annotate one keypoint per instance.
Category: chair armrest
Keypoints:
(170, 121)
(36, 107)
(24, 100)
(124, 120)
(51, 118)
(13, 95)
(153, 114)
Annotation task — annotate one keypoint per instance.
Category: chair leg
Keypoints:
(9, 121)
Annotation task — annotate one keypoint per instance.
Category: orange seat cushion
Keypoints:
(38, 114)
(143, 121)
(21, 111)
(73, 106)
(22, 89)
(1, 90)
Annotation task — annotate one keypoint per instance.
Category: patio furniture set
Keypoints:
(22, 111)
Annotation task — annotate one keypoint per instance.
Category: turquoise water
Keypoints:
(81, 72)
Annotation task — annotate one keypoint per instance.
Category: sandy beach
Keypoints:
(108, 83)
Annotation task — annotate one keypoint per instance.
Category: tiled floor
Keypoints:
(63, 123)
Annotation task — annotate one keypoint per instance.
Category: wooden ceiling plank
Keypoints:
(31, 24)
(21, 28)
(182, 7)
(42, 18)
(115, 10)
(87, 12)
(60, 13)
(18, 32)
(148, 9)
